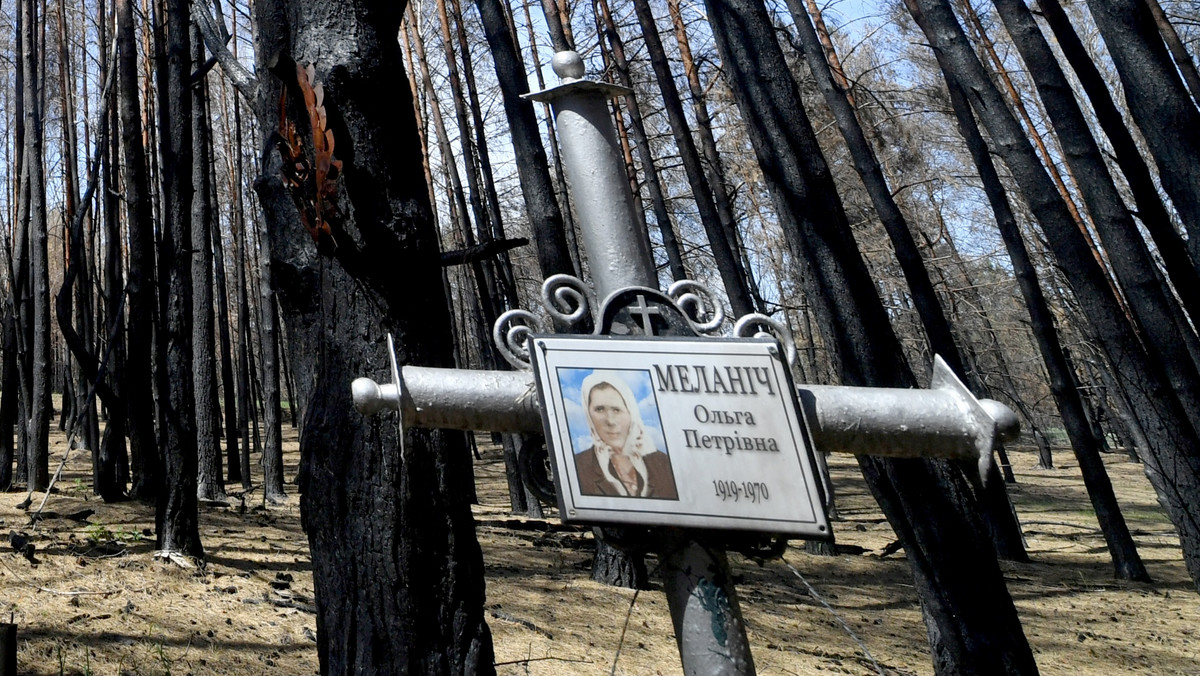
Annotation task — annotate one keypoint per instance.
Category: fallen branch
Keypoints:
(501, 615)
(527, 660)
(57, 592)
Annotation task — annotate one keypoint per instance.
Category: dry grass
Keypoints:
(96, 602)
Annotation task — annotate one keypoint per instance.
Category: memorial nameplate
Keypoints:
(702, 433)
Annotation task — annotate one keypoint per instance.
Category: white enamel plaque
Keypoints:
(702, 433)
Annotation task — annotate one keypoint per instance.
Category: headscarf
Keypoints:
(637, 445)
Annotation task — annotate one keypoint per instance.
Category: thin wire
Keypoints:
(813, 593)
(629, 614)
(621, 641)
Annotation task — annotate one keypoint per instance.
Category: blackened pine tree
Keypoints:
(971, 620)
(728, 265)
(87, 428)
(37, 420)
(718, 180)
(204, 366)
(1151, 210)
(12, 384)
(1173, 452)
(136, 378)
(272, 453)
(176, 510)
(1179, 50)
(1158, 102)
(397, 569)
(866, 163)
(106, 477)
(533, 170)
(1158, 316)
(997, 511)
(1127, 564)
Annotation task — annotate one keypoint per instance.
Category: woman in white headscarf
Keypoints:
(622, 460)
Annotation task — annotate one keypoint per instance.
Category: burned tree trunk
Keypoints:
(224, 345)
(204, 368)
(82, 307)
(1183, 59)
(1173, 462)
(1157, 315)
(1158, 102)
(245, 401)
(8, 396)
(114, 453)
(1151, 211)
(37, 422)
(533, 170)
(397, 569)
(728, 265)
(137, 378)
(714, 167)
(177, 518)
(1063, 384)
(272, 454)
(933, 318)
(972, 622)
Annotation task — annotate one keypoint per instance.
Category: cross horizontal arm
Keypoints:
(943, 422)
(459, 399)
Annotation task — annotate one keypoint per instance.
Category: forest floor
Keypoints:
(94, 601)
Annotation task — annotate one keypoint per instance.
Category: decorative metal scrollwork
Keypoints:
(511, 336)
(699, 304)
(533, 462)
(566, 299)
(755, 324)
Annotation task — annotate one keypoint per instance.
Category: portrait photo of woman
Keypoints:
(619, 456)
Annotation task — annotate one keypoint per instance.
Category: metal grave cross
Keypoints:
(686, 402)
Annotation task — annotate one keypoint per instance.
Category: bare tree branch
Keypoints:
(243, 80)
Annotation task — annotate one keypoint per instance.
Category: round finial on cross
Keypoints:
(567, 65)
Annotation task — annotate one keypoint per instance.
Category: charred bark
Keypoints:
(1183, 59)
(533, 170)
(82, 308)
(8, 396)
(1156, 313)
(972, 623)
(239, 467)
(728, 266)
(1173, 464)
(1064, 386)
(714, 167)
(1158, 103)
(1151, 211)
(137, 378)
(397, 570)
(114, 451)
(176, 517)
(272, 453)
(616, 567)
(37, 436)
(209, 484)
(933, 317)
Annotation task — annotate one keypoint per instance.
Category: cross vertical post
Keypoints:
(617, 254)
(709, 628)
